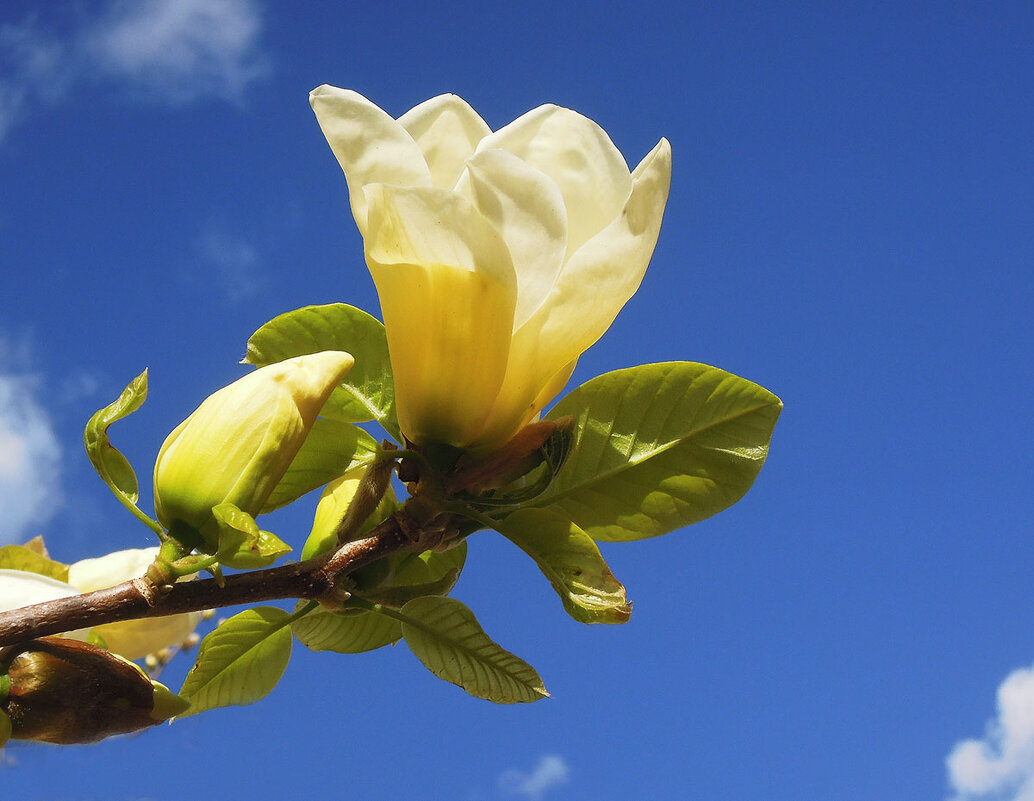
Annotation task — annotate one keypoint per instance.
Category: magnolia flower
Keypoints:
(130, 638)
(498, 257)
(239, 442)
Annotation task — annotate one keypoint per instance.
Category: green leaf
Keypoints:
(398, 596)
(18, 557)
(324, 630)
(429, 566)
(331, 449)
(242, 544)
(354, 632)
(368, 391)
(109, 462)
(659, 447)
(572, 562)
(241, 661)
(446, 637)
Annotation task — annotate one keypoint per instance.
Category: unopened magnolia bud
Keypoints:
(66, 692)
(240, 441)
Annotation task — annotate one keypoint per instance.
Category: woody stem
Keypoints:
(139, 598)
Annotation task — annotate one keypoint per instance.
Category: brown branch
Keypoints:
(139, 599)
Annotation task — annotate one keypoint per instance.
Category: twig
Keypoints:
(135, 599)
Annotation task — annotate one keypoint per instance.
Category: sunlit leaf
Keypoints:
(109, 462)
(18, 557)
(324, 630)
(446, 637)
(240, 662)
(368, 391)
(242, 544)
(572, 562)
(355, 631)
(659, 447)
(331, 449)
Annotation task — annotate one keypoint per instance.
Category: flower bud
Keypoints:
(66, 692)
(239, 443)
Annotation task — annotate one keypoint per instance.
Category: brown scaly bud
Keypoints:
(517, 457)
(67, 692)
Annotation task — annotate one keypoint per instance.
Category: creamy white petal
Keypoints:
(606, 271)
(20, 588)
(590, 291)
(447, 130)
(576, 153)
(369, 144)
(132, 639)
(88, 575)
(527, 209)
(447, 292)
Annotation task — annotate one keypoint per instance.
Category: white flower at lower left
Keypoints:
(131, 639)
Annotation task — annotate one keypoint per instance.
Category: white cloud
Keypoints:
(30, 460)
(179, 50)
(168, 51)
(551, 771)
(235, 262)
(1000, 767)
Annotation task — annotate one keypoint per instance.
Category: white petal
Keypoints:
(576, 153)
(88, 575)
(447, 130)
(590, 291)
(606, 271)
(134, 639)
(370, 146)
(526, 207)
(131, 639)
(19, 588)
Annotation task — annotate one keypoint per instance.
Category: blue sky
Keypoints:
(851, 225)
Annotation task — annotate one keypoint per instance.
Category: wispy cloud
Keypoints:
(30, 458)
(1000, 766)
(550, 771)
(179, 50)
(234, 261)
(167, 51)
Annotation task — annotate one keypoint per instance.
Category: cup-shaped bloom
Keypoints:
(499, 257)
(131, 639)
(239, 442)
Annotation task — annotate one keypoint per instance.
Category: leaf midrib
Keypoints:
(628, 465)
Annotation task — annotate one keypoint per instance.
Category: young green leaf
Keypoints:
(18, 557)
(331, 449)
(354, 631)
(242, 544)
(659, 447)
(346, 633)
(446, 637)
(110, 463)
(368, 391)
(241, 661)
(572, 562)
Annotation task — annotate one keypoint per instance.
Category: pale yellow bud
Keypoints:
(238, 444)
